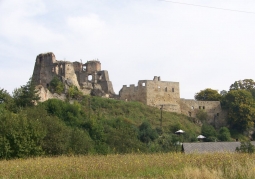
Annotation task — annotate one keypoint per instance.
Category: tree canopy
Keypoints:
(241, 112)
(208, 95)
(26, 95)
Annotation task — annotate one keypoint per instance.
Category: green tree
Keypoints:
(246, 84)
(20, 137)
(208, 95)
(209, 132)
(56, 141)
(80, 142)
(241, 113)
(146, 133)
(201, 115)
(26, 95)
(6, 99)
(56, 86)
(74, 93)
(224, 134)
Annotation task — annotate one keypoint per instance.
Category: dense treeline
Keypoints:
(94, 125)
(90, 125)
(107, 126)
(239, 102)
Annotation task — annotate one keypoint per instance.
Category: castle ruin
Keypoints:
(88, 77)
(166, 95)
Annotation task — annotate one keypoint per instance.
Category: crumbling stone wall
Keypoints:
(154, 93)
(76, 73)
(166, 94)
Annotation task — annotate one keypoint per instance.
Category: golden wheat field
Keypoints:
(169, 165)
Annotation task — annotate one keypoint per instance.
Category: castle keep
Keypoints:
(88, 77)
(166, 95)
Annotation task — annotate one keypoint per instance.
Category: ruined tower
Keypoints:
(88, 77)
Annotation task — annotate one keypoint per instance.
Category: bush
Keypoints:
(146, 133)
(209, 132)
(56, 86)
(224, 134)
(74, 93)
(246, 147)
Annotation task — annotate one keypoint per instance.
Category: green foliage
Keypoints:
(72, 114)
(208, 95)
(6, 99)
(146, 133)
(74, 93)
(201, 115)
(26, 95)
(80, 142)
(240, 109)
(56, 141)
(106, 126)
(246, 84)
(224, 134)
(121, 136)
(246, 147)
(21, 137)
(209, 132)
(56, 86)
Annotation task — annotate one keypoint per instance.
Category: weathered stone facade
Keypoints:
(88, 77)
(166, 94)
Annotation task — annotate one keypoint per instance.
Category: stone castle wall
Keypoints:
(88, 77)
(166, 94)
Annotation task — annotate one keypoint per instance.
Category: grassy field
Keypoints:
(170, 165)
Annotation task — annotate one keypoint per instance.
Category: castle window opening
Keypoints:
(100, 76)
(143, 84)
(83, 68)
(218, 114)
(165, 89)
(199, 107)
(192, 107)
(90, 77)
(172, 89)
(203, 107)
(47, 85)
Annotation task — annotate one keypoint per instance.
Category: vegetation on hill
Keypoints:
(239, 104)
(95, 125)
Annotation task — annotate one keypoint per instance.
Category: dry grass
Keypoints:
(171, 165)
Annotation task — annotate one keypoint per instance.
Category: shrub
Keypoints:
(224, 134)
(246, 147)
(56, 86)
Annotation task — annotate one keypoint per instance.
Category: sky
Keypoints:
(197, 46)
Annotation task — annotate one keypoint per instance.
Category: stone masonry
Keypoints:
(88, 77)
(166, 94)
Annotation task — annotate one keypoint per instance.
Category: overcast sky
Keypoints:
(133, 39)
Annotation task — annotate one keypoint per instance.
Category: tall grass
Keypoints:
(170, 165)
